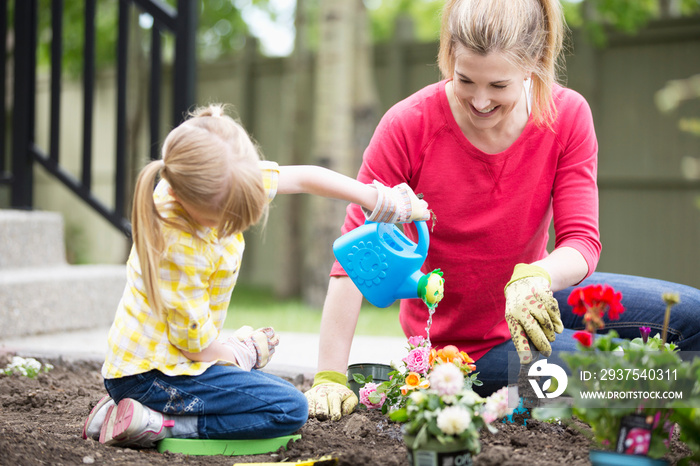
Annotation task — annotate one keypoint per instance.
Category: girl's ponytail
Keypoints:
(146, 227)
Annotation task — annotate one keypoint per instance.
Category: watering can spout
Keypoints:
(383, 263)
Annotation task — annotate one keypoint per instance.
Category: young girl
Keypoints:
(167, 372)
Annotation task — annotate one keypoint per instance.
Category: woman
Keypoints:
(501, 151)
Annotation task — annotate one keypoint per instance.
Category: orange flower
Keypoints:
(448, 353)
(413, 381)
(433, 357)
(465, 357)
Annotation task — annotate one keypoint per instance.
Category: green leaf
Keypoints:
(361, 379)
(399, 415)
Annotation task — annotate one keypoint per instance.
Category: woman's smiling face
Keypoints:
(487, 87)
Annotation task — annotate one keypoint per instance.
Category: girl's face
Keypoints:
(488, 88)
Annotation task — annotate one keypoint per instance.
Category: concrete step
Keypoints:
(59, 298)
(31, 239)
(39, 292)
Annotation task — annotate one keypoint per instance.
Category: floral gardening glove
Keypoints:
(532, 312)
(261, 342)
(397, 205)
(329, 397)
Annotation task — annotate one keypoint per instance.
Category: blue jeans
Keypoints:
(230, 403)
(644, 307)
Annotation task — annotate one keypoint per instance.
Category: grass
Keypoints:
(259, 308)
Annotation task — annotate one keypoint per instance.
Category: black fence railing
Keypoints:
(18, 174)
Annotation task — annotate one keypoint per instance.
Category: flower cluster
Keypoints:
(414, 373)
(448, 411)
(28, 367)
(593, 302)
(638, 365)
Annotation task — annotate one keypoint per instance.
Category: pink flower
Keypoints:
(416, 341)
(418, 360)
(496, 406)
(366, 391)
(644, 332)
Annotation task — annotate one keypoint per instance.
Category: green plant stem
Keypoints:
(667, 317)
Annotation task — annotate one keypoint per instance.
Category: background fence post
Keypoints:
(185, 62)
(23, 104)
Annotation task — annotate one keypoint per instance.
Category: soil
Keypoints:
(41, 421)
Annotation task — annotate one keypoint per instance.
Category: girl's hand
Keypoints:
(397, 205)
(245, 357)
(260, 342)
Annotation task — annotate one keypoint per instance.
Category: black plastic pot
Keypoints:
(434, 453)
(379, 373)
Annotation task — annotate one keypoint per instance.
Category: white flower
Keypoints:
(417, 397)
(446, 379)
(470, 398)
(29, 367)
(453, 420)
(449, 399)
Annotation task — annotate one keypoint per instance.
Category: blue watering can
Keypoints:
(385, 265)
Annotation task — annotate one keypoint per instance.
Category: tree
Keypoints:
(345, 106)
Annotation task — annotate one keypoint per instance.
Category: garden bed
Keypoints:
(41, 421)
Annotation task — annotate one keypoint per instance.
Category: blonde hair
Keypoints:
(529, 33)
(211, 164)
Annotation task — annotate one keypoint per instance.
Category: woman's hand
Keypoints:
(329, 397)
(532, 313)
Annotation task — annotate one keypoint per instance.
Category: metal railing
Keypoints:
(180, 22)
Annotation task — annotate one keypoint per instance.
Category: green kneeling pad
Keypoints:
(205, 447)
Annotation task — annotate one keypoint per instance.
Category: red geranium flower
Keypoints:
(585, 338)
(593, 301)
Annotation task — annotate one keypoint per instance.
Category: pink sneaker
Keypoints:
(130, 424)
(94, 421)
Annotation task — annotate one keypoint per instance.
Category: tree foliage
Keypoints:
(594, 16)
(221, 30)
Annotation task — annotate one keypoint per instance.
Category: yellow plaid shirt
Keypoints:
(197, 275)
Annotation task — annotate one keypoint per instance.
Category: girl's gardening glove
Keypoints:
(245, 357)
(397, 205)
(532, 312)
(329, 397)
(260, 342)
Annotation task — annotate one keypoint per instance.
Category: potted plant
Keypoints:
(430, 392)
(442, 423)
(620, 387)
(412, 374)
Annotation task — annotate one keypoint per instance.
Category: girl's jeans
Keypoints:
(230, 403)
(644, 307)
